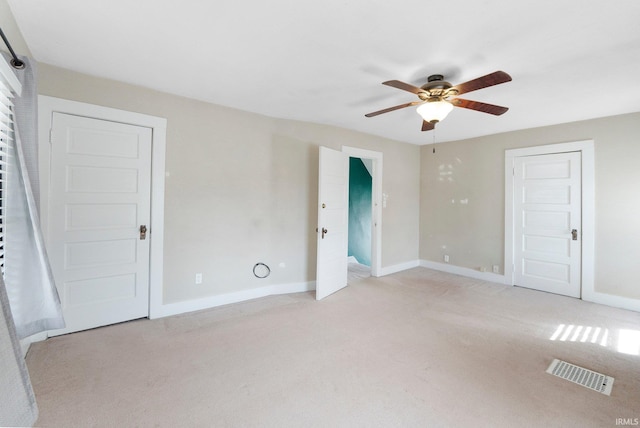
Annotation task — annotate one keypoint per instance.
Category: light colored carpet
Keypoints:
(414, 349)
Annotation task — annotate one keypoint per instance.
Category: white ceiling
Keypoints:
(323, 61)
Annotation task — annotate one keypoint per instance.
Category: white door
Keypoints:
(333, 222)
(547, 223)
(99, 202)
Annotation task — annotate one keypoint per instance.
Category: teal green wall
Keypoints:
(359, 211)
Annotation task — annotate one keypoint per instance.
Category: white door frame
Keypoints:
(46, 106)
(376, 201)
(588, 208)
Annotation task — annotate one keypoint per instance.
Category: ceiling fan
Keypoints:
(438, 97)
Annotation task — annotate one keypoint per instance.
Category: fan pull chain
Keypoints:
(434, 140)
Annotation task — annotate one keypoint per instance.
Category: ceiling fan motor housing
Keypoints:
(435, 89)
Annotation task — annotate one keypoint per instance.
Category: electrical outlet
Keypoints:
(496, 269)
(198, 278)
(446, 258)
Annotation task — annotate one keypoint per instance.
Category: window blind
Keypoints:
(6, 135)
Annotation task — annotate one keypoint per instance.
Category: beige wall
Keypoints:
(242, 188)
(472, 171)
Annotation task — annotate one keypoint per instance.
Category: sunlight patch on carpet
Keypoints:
(584, 377)
(625, 341)
(629, 342)
(584, 334)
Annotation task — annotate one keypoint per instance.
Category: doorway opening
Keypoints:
(365, 213)
(360, 218)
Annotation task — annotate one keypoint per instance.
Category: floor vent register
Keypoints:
(587, 378)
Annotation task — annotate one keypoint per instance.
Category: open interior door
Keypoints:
(333, 222)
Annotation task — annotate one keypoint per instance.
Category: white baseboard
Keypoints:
(611, 300)
(463, 271)
(588, 296)
(225, 299)
(27, 341)
(388, 270)
(270, 290)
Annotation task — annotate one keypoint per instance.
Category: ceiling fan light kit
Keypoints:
(434, 111)
(438, 97)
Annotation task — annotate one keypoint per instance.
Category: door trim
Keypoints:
(376, 201)
(46, 106)
(586, 148)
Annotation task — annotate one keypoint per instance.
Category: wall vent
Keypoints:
(587, 378)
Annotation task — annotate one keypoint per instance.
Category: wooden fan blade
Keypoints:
(404, 86)
(387, 110)
(492, 79)
(427, 126)
(477, 105)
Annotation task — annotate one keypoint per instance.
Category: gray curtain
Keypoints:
(18, 404)
(30, 286)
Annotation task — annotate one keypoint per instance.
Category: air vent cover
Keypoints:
(587, 378)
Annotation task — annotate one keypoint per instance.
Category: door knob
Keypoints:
(324, 231)
(143, 232)
(574, 234)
